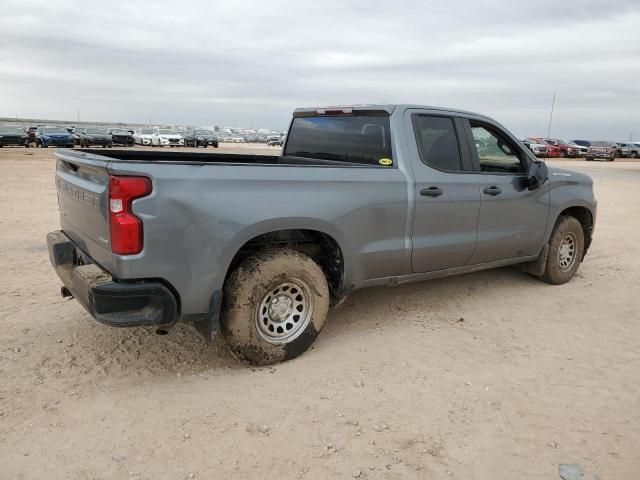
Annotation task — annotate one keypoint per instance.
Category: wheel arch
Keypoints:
(586, 218)
(324, 245)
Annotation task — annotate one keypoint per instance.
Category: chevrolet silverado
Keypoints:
(261, 246)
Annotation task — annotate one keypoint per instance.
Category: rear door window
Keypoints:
(437, 142)
(359, 139)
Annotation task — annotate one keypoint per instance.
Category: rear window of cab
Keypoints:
(358, 139)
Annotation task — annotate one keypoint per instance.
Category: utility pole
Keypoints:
(553, 102)
(631, 137)
(78, 114)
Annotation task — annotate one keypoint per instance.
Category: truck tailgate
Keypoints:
(83, 197)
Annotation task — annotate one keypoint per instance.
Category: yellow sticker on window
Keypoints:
(385, 161)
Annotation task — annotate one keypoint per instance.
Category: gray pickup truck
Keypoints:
(261, 246)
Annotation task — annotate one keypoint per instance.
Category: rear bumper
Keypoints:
(141, 303)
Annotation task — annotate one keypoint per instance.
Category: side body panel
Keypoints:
(200, 215)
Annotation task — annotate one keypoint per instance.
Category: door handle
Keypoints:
(493, 191)
(431, 192)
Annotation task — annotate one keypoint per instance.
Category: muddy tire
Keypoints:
(275, 304)
(566, 249)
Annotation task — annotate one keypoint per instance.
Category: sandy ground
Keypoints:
(492, 375)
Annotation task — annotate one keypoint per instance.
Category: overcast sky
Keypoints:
(242, 63)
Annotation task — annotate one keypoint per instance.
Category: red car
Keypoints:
(553, 151)
(567, 147)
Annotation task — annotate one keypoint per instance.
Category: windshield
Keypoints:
(54, 130)
(600, 144)
(350, 138)
(117, 131)
(202, 132)
(96, 131)
(146, 131)
(166, 132)
(13, 130)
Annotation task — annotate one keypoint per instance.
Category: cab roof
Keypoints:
(370, 108)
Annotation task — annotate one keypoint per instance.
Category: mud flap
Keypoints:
(211, 322)
(539, 266)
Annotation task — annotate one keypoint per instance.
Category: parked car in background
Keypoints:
(200, 138)
(16, 136)
(538, 149)
(31, 136)
(274, 141)
(567, 147)
(552, 150)
(166, 137)
(584, 146)
(121, 136)
(634, 148)
(54, 137)
(92, 137)
(623, 149)
(143, 136)
(602, 149)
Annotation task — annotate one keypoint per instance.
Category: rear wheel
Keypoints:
(275, 304)
(566, 249)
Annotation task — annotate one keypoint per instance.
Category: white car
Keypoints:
(538, 149)
(166, 137)
(143, 136)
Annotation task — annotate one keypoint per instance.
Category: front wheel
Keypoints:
(275, 304)
(566, 249)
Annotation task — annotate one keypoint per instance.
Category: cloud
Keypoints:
(251, 62)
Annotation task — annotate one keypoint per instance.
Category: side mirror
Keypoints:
(537, 175)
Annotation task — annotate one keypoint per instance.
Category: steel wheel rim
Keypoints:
(284, 312)
(567, 252)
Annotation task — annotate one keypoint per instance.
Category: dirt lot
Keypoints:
(493, 375)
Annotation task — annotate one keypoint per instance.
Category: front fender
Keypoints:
(566, 194)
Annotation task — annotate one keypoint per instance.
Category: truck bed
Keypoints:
(155, 156)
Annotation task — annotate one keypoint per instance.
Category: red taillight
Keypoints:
(125, 227)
